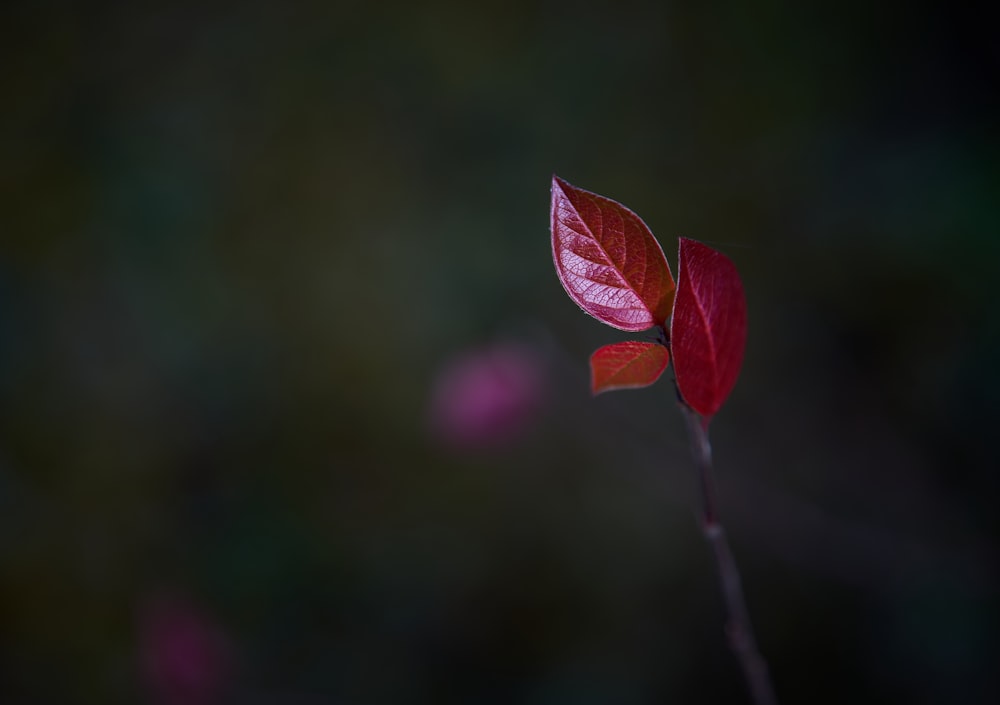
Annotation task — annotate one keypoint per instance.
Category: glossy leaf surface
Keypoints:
(709, 327)
(627, 365)
(607, 259)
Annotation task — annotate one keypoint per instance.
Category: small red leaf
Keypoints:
(708, 330)
(627, 365)
(607, 260)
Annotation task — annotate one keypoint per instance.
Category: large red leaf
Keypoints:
(627, 365)
(608, 261)
(709, 327)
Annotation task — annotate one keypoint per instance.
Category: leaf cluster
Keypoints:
(612, 266)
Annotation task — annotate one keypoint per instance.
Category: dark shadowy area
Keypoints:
(294, 410)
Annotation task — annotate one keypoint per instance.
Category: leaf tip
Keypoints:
(684, 244)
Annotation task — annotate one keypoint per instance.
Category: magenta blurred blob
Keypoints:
(488, 397)
(185, 658)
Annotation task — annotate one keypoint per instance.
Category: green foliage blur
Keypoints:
(241, 242)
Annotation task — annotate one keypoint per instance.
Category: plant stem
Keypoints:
(740, 631)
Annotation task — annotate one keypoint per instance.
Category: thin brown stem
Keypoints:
(740, 631)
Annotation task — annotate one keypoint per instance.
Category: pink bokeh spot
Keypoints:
(487, 398)
(185, 659)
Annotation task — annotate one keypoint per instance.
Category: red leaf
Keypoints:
(627, 365)
(708, 330)
(608, 261)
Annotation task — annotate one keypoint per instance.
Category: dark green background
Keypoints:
(239, 241)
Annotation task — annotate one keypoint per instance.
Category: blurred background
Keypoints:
(294, 410)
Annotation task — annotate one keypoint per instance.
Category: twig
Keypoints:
(739, 629)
